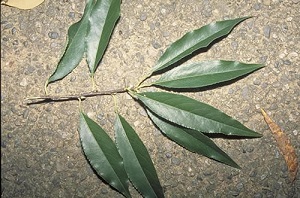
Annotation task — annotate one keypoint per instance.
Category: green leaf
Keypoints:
(137, 161)
(103, 154)
(204, 73)
(192, 140)
(75, 48)
(102, 21)
(195, 40)
(193, 114)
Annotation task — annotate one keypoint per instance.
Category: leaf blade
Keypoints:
(75, 48)
(137, 161)
(192, 140)
(102, 21)
(284, 145)
(204, 73)
(103, 154)
(195, 40)
(193, 114)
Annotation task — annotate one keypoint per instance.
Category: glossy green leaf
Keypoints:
(103, 154)
(195, 40)
(102, 22)
(75, 46)
(137, 161)
(204, 73)
(193, 114)
(192, 140)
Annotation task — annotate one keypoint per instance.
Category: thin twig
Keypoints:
(75, 96)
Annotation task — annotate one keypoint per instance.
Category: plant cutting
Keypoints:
(184, 120)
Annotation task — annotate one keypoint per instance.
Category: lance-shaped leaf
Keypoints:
(195, 40)
(137, 161)
(75, 46)
(192, 140)
(193, 114)
(103, 154)
(102, 21)
(204, 73)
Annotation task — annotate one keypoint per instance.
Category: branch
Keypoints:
(49, 98)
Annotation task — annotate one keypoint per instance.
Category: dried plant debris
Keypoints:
(284, 145)
(22, 4)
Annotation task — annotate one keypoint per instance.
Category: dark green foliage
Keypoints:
(182, 119)
(137, 161)
(103, 154)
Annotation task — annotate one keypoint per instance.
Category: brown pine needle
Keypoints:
(284, 146)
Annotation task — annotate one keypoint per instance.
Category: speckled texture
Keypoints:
(40, 150)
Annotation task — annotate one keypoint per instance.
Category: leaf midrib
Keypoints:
(172, 107)
(99, 46)
(105, 155)
(199, 47)
(139, 164)
(198, 76)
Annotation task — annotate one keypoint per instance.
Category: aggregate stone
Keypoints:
(5, 39)
(26, 113)
(71, 15)
(156, 45)
(235, 193)
(287, 62)
(73, 79)
(267, 31)
(210, 188)
(166, 33)
(257, 6)
(143, 16)
(208, 172)
(15, 42)
(175, 161)
(14, 30)
(168, 155)
(9, 135)
(29, 70)
(53, 35)
(258, 195)
(257, 81)
(8, 26)
(3, 143)
(104, 191)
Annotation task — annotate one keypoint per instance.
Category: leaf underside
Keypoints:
(204, 73)
(192, 140)
(137, 161)
(103, 154)
(193, 114)
(195, 40)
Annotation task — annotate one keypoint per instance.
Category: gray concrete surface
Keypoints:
(40, 150)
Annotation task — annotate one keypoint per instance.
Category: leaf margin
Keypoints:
(163, 61)
(144, 166)
(106, 31)
(214, 126)
(64, 67)
(121, 175)
(201, 141)
(204, 73)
